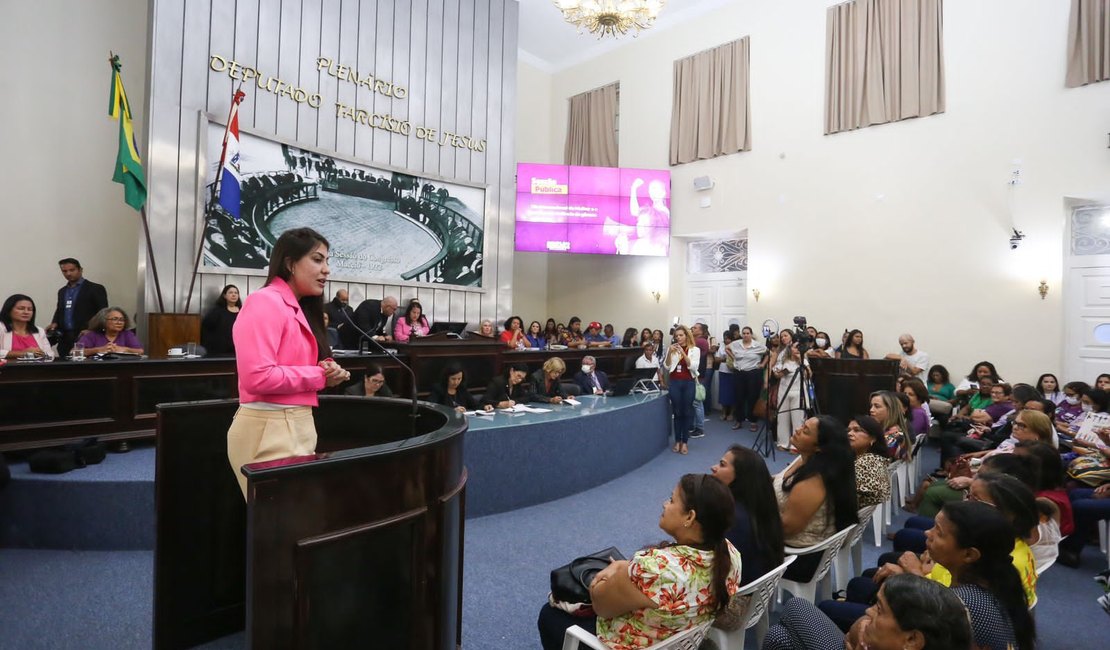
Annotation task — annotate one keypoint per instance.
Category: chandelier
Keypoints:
(610, 17)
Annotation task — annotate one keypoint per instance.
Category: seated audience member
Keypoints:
(594, 338)
(451, 390)
(1102, 382)
(664, 589)
(1049, 387)
(411, 323)
(550, 333)
(485, 328)
(979, 538)
(1000, 405)
(546, 386)
(853, 347)
(572, 336)
(939, 385)
(215, 329)
(1095, 403)
(887, 411)
(919, 420)
(110, 333)
(648, 358)
(629, 339)
(645, 336)
(591, 380)
(816, 493)
(1089, 506)
(1056, 519)
(534, 337)
(822, 347)
(909, 612)
(866, 438)
(333, 334)
(911, 361)
(373, 317)
(756, 526)
(1071, 407)
(509, 389)
(513, 335)
(372, 384)
(78, 303)
(970, 385)
(611, 335)
(339, 309)
(19, 335)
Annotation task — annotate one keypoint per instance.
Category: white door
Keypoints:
(717, 302)
(1087, 294)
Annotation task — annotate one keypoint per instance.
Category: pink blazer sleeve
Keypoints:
(402, 331)
(270, 349)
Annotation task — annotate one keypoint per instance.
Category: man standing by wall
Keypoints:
(78, 302)
(911, 362)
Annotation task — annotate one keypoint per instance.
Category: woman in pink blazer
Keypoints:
(412, 323)
(282, 356)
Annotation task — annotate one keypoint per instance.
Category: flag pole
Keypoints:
(113, 61)
(216, 193)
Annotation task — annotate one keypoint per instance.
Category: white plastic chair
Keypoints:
(753, 609)
(892, 472)
(852, 550)
(819, 583)
(915, 463)
(685, 640)
(1104, 537)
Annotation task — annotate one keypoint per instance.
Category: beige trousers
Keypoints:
(256, 436)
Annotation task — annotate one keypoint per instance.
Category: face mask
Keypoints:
(1087, 408)
(820, 342)
(587, 368)
(1071, 400)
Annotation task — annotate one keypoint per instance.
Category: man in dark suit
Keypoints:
(78, 302)
(375, 317)
(336, 308)
(591, 380)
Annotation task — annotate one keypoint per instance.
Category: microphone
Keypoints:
(412, 375)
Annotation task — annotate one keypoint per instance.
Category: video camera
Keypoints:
(801, 336)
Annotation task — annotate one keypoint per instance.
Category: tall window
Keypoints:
(710, 113)
(592, 127)
(884, 63)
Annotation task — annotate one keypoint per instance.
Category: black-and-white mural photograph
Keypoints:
(384, 226)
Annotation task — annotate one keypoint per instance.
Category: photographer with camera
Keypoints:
(791, 368)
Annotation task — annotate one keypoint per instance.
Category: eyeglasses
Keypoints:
(1020, 425)
(115, 319)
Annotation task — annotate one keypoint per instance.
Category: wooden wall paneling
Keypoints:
(458, 308)
(448, 74)
(269, 37)
(245, 51)
(442, 298)
(478, 126)
(363, 60)
(347, 54)
(491, 305)
(432, 77)
(329, 85)
(399, 73)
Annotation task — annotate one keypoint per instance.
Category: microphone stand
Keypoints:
(412, 375)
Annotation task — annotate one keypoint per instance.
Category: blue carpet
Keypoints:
(93, 600)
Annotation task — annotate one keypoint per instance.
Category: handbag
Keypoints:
(570, 583)
(699, 392)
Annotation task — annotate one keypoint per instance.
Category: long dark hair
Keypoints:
(291, 246)
(1040, 383)
(629, 337)
(933, 610)
(944, 377)
(835, 462)
(851, 336)
(9, 305)
(753, 488)
(222, 300)
(874, 430)
(1014, 499)
(971, 376)
(713, 510)
(979, 526)
(1050, 469)
(413, 304)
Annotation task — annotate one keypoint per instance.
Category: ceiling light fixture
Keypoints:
(610, 17)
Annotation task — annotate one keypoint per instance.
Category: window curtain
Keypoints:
(710, 110)
(592, 128)
(1088, 42)
(884, 63)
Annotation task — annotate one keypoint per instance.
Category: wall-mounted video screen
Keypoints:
(592, 210)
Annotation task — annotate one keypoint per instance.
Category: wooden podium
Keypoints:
(844, 386)
(360, 545)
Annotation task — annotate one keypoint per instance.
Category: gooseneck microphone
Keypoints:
(412, 375)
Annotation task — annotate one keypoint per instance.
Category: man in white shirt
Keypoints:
(648, 358)
(911, 361)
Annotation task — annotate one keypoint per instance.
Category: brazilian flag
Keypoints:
(129, 168)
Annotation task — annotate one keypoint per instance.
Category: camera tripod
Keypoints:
(765, 440)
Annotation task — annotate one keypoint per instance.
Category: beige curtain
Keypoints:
(592, 128)
(710, 110)
(1088, 42)
(884, 62)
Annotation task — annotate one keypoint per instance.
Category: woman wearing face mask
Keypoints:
(1070, 408)
(1049, 387)
(1093, 404)
(749, 359)
(282, 356)
(822, 347)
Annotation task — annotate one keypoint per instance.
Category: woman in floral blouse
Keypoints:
(872, 480)
(663, 590)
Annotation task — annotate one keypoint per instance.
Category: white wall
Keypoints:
(60, 146)
(891, 228)
(533, 144)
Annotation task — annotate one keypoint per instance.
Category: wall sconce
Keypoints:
(1043, 289)
(656, 295)
(755, 292)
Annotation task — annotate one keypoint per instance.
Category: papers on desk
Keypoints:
(489, 413)
(524, 408)
(571, 401)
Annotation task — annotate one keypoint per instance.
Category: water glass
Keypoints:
(78, 352)
(190, 349)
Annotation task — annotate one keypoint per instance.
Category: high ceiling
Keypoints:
(551, 44)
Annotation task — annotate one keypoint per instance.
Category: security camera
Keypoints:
(1016, 238)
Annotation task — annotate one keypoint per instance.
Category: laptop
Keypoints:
(447, 326)
(623, 386)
